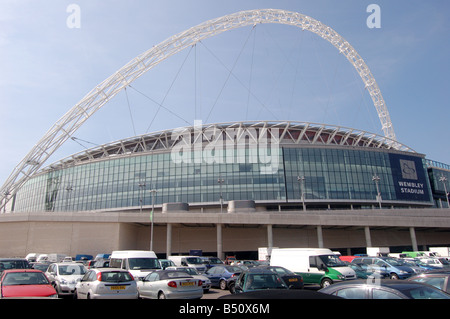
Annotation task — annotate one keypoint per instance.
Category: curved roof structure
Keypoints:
(288, 132)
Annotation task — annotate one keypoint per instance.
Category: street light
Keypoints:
(141, 186)
(153, 191)
(301, 180)
(221, 181)
(443, 179)
(376, 179)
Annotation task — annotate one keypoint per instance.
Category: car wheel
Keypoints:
(232, 288)
(326, 282)
(394, 276)
(223, 284)
(161, 295)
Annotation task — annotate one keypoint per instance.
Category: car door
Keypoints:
(85, 284)
(214, 275)
(148, 286)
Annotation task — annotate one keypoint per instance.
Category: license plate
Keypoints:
(293, 279)
(117, 287)
(191, 283)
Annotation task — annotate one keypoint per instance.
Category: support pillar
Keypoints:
(412, 232)
(269, 240)
(219, 241)
(368, 238)
(320, 236)
(169, 241)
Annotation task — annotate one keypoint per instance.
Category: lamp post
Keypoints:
(376, 179)
(153, 191)
(301, 180)
(221, 181)
(443, 179)
(141, 186)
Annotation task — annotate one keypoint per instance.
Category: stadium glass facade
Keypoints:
(322, 175)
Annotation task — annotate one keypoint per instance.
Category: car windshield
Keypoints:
(67, 270)
(213, 261)
(116, 276)
(143, 263)
(25, 278)
(332, 261)
(393, 261)
(194, 260)
(263, 281)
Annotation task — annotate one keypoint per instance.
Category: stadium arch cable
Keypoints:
(106, 90)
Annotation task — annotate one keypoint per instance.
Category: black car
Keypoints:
(437, 278)
(291, 279)
(258, 279)
(13, 263)
(384, 289)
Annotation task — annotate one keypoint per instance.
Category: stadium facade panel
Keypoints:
(299, 164)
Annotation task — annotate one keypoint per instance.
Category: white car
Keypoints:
(194, 273)
(170, 284)
(64, 277)
(107, 283)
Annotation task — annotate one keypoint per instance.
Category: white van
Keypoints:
(138, 262)
(315, 265)
(189, 261)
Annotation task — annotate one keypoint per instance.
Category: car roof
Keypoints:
(21, 270)
(390, 283)
(257, 270)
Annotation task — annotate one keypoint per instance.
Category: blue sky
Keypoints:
(47, 67)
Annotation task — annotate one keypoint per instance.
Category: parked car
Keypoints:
(65, 276)
(292, 280)
(384, 289)
(14, 263)
(206, 283)
(437, 278)
(258, 279)
(219, 275)
(166, 263)
(16, 283)
(107, 283)
(363, 273)
(170, 284)
(392, 266)
(40, 266)
(211, 261)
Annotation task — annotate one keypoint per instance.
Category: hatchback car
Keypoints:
(25, 283)
(219, 275)
(170, 284)
(65, 276)
(258, 279)
(385, 265)
(384, 289)
(107, 283)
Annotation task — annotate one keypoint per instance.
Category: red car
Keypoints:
(25, 283)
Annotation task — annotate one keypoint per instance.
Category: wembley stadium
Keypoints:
(226, 188)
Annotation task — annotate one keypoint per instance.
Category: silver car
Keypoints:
(206, 283)
(170, 284)
(64, 277)
(107, 283)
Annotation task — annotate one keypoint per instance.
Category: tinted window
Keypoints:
(116, 276)
(383, 294)
(352, 293)
(437, 282)
(25, 278)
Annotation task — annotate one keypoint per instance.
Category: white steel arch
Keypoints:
(107, 89)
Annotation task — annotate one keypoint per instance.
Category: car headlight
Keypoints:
(63, 281)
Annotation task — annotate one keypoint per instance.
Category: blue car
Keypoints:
(393, 267)
(219, 275)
